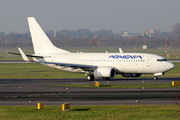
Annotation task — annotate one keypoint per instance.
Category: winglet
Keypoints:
(25, 58)
(120, 50)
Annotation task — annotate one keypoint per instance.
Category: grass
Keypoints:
(39, 71)
(107, 112)
(129, 86)
(33, 71)
(9, 57)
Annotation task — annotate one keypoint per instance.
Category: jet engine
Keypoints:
(104, 72)
(131, 75)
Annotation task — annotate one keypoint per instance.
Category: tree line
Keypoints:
(99, 39)
(24, 40)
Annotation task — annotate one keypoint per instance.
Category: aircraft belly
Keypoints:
(50, 65)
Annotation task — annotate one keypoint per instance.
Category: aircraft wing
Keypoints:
(75, 66)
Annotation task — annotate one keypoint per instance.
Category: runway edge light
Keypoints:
(96, 83)
(40, 106)
(175, 83)
(66, 106)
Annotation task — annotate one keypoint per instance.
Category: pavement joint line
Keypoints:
(14, 96)
(37, 94)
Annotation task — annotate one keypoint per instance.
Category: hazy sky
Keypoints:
(118, 15)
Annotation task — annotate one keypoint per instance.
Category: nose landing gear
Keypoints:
(90, 77)
(155, 78)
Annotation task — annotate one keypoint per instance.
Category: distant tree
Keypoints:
(89, 36)
(2, 41)
(91, 42)
(176, 30)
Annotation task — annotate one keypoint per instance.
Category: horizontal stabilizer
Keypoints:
(26, 55)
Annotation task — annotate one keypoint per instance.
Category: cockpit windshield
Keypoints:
(161, 60)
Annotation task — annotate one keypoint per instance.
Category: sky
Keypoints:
(118, 15)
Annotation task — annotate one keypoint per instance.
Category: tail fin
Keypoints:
(41, 42)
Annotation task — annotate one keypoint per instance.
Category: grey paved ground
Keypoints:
(20, 92)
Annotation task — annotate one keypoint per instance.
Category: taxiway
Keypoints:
(21, 91)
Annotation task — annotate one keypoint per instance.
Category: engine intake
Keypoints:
(104, 72)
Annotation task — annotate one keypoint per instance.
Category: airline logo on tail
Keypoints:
(125, 56)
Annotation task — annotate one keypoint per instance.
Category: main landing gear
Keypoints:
(155, 78)
(106, 78)
(90, 77)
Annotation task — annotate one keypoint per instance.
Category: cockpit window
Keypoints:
(161, 60)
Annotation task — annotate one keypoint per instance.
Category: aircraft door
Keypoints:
(148, 62)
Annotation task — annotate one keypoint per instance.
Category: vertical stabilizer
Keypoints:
(41, 43)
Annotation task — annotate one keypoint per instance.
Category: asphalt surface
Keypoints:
(23, 91)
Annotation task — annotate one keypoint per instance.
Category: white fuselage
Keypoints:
(123, 62)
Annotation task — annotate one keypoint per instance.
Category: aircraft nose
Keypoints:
(170, 66)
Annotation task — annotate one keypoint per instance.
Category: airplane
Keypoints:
(94, 65)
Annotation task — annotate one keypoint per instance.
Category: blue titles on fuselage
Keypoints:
(125, 56)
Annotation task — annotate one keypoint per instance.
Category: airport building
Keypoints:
(151, 34)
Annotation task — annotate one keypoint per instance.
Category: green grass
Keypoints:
(9, 57)
(140, 86)
(107, 112)
(39, 71)
(33, 71)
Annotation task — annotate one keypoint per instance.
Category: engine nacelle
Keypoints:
(104, 72)
(131, 75)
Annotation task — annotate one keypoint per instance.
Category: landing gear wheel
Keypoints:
(155, 78)
(90, 77)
